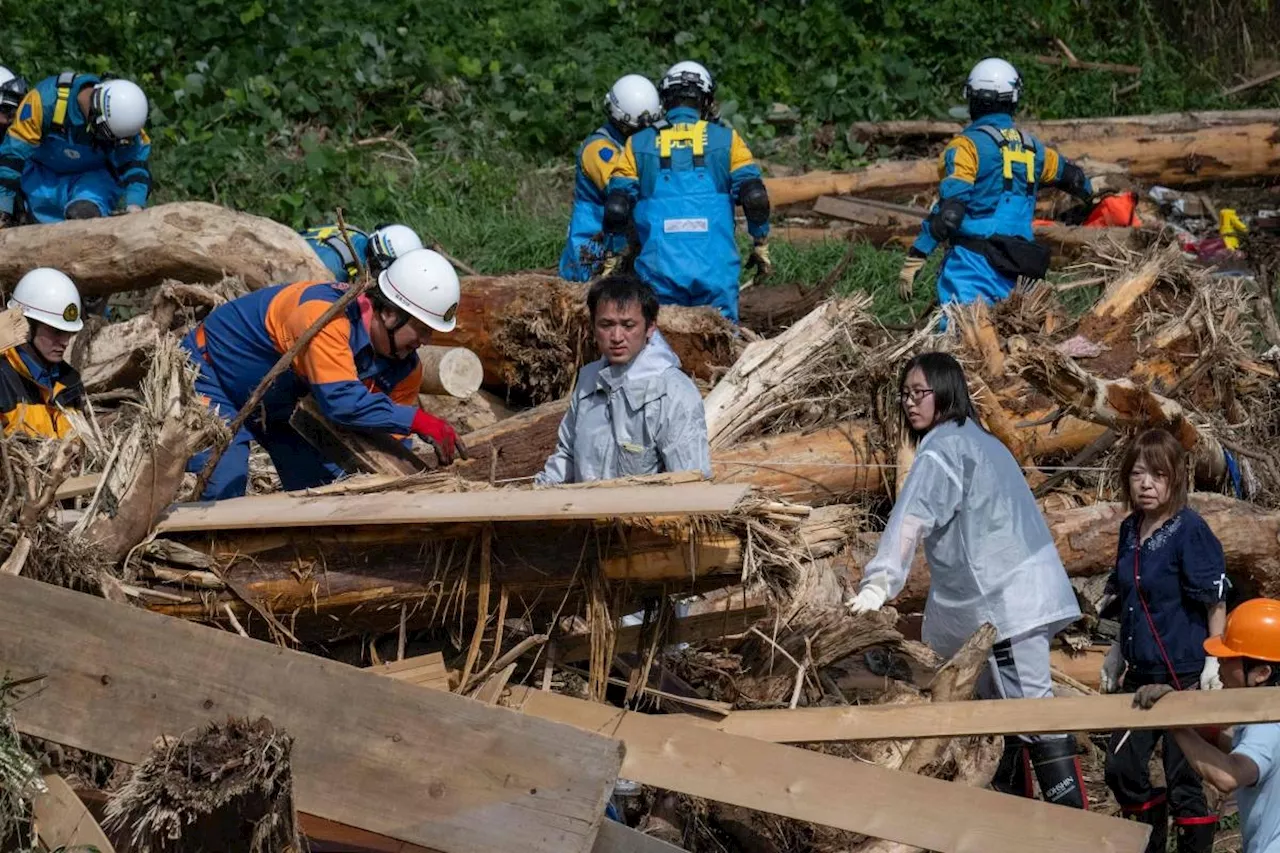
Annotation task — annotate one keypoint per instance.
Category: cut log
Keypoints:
(189, 241)
(414, 764)
(114, 355)
(453, 371)
(516, 447)
(1179, 158)
(814, 468)
(479, 411)
(532, 334)
(355, 452)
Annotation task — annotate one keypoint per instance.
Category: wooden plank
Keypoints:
(809, 786)
(1001, 716)
(415, 765)
(300, 510)
(869, 213)
(617, 838)
(77, 487)
(425, 670)
(689, 629)
(62, 820)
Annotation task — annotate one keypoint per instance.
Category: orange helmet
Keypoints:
(1253, 631)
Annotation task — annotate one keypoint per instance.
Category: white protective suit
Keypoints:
(991, 556)
(644, 417)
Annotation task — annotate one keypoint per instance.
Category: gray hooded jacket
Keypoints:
(645, 417)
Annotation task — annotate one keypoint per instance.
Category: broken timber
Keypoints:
(420, 766)
(299, 510)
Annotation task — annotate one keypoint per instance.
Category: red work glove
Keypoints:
(442, 436)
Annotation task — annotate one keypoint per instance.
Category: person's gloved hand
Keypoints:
(1112, 670)
(610, 265)
(1209, 679)
(1149, 694)
(133, 208)
(759, 258)
(911, 268)
(441, 436)
(869, 598)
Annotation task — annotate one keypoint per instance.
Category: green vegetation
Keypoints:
(461, 119)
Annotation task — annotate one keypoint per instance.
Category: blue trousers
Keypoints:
(299, 465)
(48, 193)
(967, 277)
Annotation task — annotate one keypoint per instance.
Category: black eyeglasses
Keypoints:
(915, 395)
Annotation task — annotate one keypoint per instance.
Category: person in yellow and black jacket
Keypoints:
(38, 388)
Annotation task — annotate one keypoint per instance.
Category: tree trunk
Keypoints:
(1180, 158)
(514, 447)
(814, 468)
(189, 241)
(1064, 131)
(532, 334)
(356, 452)
(114, 355)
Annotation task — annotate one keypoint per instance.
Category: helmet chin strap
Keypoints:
(391, 335)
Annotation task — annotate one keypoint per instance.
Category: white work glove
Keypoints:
(1209, 679)
(869, 598)
(133, 208)
(1112, 670)
(911, 267)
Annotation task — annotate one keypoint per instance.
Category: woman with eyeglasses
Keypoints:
(991, 559)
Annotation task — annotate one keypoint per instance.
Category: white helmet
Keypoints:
(48, 296)
(5, 75)
(388, 242)
(633, 102)
(687, 73)
(117, 110)
(12, 90)
(425, 285)
(995, 80)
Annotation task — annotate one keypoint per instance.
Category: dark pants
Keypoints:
(1129, 778)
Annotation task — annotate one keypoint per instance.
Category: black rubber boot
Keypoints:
(1156, 816)
(1012, 776)
(1195, 835)
(1057, 769)
(81, 209)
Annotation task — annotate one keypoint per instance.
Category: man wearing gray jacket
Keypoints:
(633, 411)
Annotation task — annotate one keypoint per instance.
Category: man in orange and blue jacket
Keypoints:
(362, 369)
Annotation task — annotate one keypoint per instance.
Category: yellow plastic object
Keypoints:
(1231, 227)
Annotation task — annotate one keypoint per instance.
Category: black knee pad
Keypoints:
(82, 209)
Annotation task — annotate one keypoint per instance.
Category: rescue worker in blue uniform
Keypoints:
(680, 180)
(990, 175)
(76, 151)
(12, 90)
(362, 369)
(348, 255)
(631, 104)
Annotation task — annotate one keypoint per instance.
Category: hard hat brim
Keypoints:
(1217, 648)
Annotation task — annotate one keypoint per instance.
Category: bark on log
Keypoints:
(451, 371)
(188, 241)
(815, 468)
(1061, 131)
(514, 447)
(356, 452)
(532, 334)
(1180, 158)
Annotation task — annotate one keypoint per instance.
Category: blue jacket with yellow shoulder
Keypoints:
(345, 261)
(352, 385)
(685, 175)
(35, 397)
(50, 130)
(585, 248)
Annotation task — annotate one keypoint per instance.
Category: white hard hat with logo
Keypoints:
(425, 285)
(50, 297)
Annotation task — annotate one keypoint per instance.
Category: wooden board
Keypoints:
(415, 765)
(867, 212)
(299, 510)
(62, 820)
(809, 786)
(1002, 716)
(424, 670)
(77, 487)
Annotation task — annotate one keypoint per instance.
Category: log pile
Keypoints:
(470, 581)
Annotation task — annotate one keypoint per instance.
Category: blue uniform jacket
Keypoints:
(352, 385)
(685, 175)
(328, 243)
(1166, 589)
(584, 250)
(36, 150)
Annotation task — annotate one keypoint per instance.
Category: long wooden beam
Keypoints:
(416, 765)
(300, 510)
(1000, 716)
(920, 811)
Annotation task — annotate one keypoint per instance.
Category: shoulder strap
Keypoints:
(65, 81)
(349, 260)
(693, 136)
(996, 136)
